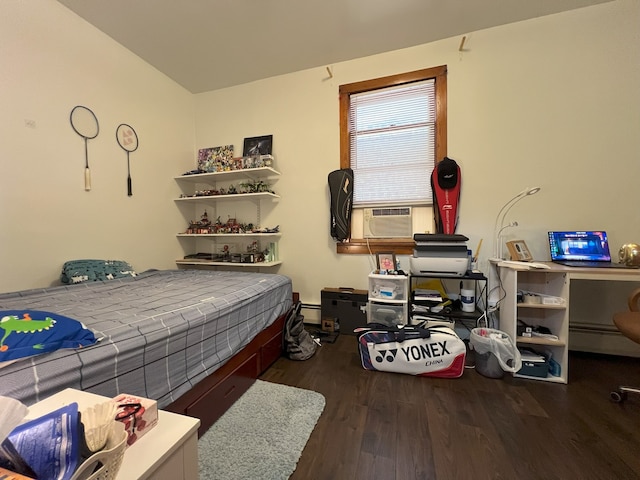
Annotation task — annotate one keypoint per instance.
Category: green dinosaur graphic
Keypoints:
(12, 324)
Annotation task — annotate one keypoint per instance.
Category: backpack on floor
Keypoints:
(426, 352)
(298, 343)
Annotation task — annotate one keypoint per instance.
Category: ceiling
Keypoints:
(210, 44)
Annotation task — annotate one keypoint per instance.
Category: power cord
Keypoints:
(372, 262)
(501, 291)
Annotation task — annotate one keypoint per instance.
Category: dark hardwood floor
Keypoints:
(393, 426)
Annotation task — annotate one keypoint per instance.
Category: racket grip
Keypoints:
(87, 179)
(129, 192)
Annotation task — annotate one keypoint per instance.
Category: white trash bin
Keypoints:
(495, 352)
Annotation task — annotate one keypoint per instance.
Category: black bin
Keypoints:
(348, 305)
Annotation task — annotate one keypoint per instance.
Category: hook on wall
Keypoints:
(330, 72)
(461, 47)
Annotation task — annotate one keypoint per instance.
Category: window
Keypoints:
(392, 132)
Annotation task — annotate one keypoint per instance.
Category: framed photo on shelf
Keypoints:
(519, 251)
(215, 159)
(257, 146)
(386, 261)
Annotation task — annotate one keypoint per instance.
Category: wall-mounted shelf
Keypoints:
(227, 264)
(196, 194)
(230, 197)
(228, 235)
(229, 176)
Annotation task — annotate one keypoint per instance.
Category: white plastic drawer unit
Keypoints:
(388, 287)
(390, 314)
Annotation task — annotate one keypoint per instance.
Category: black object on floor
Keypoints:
(327, 337)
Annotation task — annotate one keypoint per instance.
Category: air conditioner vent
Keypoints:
(391, 222)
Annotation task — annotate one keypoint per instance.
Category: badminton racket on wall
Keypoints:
(84, 123)
(128, 141)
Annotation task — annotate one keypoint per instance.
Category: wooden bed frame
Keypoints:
(211, 397)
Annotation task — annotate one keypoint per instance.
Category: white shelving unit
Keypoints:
(196, 204)
(553, 316)
(388, 299)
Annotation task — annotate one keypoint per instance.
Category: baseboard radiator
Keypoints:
(312, 313)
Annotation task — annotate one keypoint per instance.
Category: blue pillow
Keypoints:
(77, 271)
(31, 332)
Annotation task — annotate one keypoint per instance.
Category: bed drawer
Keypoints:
(210, 406)
(270, 351)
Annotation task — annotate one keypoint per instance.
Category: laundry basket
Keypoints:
(108, 460)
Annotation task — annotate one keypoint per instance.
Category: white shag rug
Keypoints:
(262, 435)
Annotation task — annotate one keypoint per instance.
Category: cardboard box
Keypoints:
(328, 325)
(138, 414)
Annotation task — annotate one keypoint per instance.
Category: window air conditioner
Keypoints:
(388, 222)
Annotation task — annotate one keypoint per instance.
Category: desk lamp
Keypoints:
(499, 225)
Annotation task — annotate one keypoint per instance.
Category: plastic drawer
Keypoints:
(389, 314)
(388, 287)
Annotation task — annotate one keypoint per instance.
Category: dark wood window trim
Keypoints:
(398, 246)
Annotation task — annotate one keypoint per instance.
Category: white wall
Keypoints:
(551, 102)
(50, 61)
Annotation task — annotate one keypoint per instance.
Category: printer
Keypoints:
(439, 254)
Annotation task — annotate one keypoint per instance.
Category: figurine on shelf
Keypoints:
(201, 226)
(256, 187)
(253, 248)
(275, 229)
(205, 224)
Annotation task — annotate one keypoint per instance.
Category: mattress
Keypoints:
(160, 332)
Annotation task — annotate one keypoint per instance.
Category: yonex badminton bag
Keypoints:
(427, 352)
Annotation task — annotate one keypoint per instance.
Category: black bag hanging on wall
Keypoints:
(445, 184)
(341, 190)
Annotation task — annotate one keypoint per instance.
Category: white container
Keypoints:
(468, 299)
(388, 287)
(390, 314)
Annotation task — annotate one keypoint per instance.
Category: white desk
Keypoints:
(169, 451)
(555, 281)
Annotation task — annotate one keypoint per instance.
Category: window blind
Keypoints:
(392, 144)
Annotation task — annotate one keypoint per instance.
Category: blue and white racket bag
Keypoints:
(426, 352)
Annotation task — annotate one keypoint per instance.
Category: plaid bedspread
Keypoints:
(161, 332)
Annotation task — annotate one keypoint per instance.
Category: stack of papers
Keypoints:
(531, 356)
(424, 295)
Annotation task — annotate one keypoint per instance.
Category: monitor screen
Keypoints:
(591, 245)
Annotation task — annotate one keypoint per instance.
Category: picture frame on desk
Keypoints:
(519, 251)
(386, 261)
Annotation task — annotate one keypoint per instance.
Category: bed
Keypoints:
(194, 340)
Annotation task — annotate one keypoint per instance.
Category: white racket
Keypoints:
(85, 124)
(128, 141)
